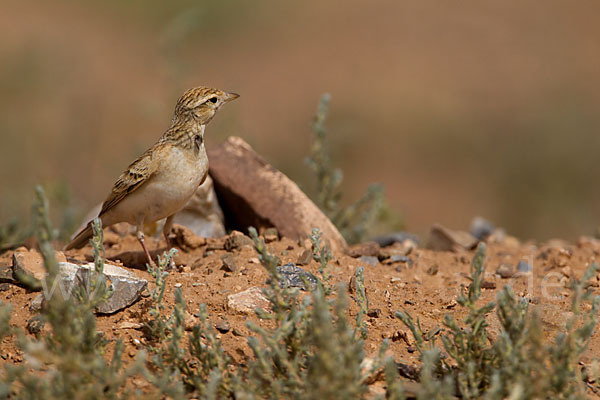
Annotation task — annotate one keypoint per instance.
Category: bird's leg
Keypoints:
(140, 235)
(167, 230)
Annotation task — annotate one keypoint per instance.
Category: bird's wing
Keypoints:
(132, 178)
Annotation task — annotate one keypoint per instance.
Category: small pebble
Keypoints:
(178, 285)
(229, 263)
(523, 266)
(432, 270)
(305, 258)
(371, 260)
(223, 326)
(270, 235)
(238, 332)
(374, 312)
(505, 271)
(35, 325)
(488, 285)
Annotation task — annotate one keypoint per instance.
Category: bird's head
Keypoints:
(200, 104)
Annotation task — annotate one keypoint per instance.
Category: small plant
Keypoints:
(69, 362)
(301, 356)
(355, 220)
(156, 329)
(518, 364)
(321, 253)
(362, 301)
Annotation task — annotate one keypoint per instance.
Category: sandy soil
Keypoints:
(426, 286)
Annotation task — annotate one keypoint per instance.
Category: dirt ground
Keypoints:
(425, 284)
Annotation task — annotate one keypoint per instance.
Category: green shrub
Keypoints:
(518, 364)
(70, 361)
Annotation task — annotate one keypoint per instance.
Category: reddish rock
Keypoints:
(364, 249)
(30, 263)
(444, 239)
(253, 193)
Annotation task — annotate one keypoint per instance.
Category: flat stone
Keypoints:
(186, 239)
(488, 285)
(433, 269)
(270, 235)
(130, 325)
(127, 288)
(371, 260)
(36, 303)
(229, 263)
(374, 312)
(28, 267)
(370, 249)
(6, 274)
(505, 271)
(35, 325)
(292, 276)
(223, 326)
(444, 239)
(245, 302)
(396, 237)
(237, 240)
(481, 228)
(305, 258)
(253, 193)
(524, 266)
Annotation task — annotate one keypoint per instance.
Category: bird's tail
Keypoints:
(81, 239)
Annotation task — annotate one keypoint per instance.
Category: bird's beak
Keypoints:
(230, 97)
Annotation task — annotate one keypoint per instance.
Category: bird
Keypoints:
(160, 182)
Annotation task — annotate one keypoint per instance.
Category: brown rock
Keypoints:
(186, 239)
(488, 285)
(444, 239)
(505, 271)
(35, 325)
(223, 326)
(6, 274)
(270, 235)
(374, 312)
(28, 268)
(305, 258)
(253, 193)
(245, 302)
(370, 249)
(237, 240)
(130, 325)
(432, 270)
(229, 263)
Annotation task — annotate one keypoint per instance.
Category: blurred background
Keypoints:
(458, 109)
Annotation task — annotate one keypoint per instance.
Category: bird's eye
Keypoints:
(213, 100)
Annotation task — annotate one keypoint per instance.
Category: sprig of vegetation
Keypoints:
(518, 364)
(355, 220)
(156, 329)
(362, 301)
(321, 253)
(70, 361)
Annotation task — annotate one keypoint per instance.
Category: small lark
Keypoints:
(162, 180)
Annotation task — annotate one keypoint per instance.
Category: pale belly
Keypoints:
(165, 193)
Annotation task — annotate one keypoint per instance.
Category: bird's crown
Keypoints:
(201, 103)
